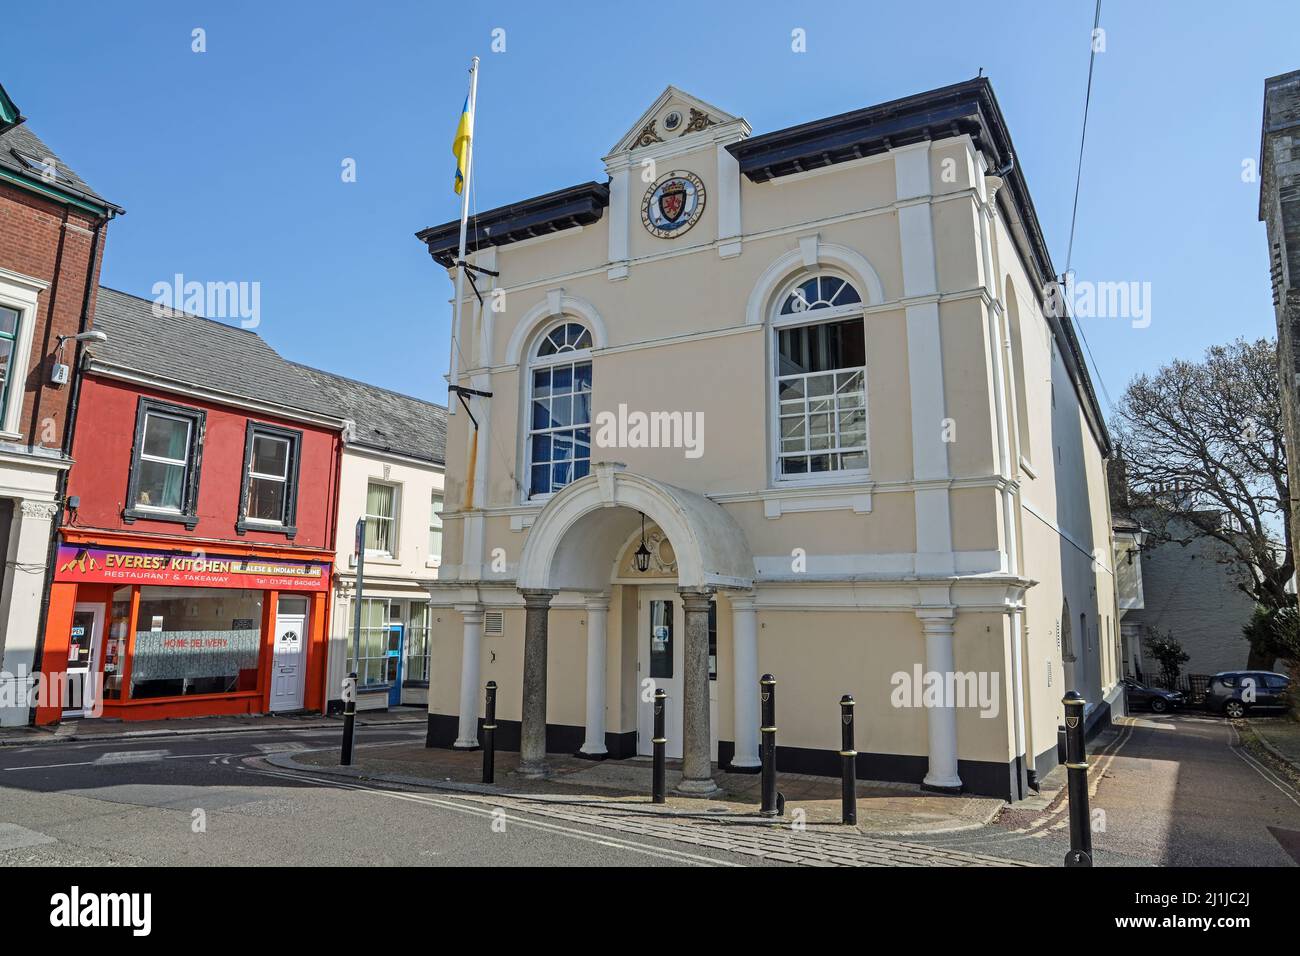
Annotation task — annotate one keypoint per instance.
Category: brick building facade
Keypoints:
(52, 233)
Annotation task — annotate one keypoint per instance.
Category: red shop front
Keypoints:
(140, 633)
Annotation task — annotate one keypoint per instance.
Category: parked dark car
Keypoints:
(1235, 693)
(1156, 699)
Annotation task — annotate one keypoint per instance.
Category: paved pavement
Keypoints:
(110, 729)
(884, 809)
(1166, 791)
(1280, 737)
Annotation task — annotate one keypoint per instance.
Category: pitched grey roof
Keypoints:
(21, 139)
(386, 420)
(190, 350)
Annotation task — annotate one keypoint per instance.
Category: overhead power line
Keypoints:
(1078, 180)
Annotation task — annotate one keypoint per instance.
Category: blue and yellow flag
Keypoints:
(460, 148)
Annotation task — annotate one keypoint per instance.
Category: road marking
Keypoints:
(1235, 746)
(151, 757)
(448, 804)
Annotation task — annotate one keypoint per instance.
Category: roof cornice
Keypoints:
(539, 216)
(966, 108)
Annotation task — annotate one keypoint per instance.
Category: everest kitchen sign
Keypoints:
(192, 568)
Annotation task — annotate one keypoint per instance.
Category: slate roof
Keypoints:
(23, 140)
(386, 420)
(190, 350)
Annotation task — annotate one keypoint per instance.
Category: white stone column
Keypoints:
(467, 734)
(597, 616)
(744, 657)
(938, 624)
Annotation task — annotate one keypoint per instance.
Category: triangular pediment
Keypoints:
(674, 115)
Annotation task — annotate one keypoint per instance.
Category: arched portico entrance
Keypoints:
(571, 546)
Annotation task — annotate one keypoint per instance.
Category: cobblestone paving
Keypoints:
(777, 841)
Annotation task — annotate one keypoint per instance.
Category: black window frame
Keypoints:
(289, 526)
(189, 512)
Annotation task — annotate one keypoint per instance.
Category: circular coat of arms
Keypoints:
(673, 204)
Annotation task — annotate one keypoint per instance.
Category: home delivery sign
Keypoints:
(102, 565)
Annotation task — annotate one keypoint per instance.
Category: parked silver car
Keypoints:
(1234, 693)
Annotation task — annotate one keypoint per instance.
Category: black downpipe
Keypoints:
(69, 428)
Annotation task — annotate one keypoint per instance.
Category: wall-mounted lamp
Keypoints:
(642, 554)
(60, 372)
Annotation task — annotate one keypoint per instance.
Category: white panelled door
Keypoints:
(289, 664)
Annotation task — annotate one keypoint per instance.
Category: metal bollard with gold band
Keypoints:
(349, 719)
(773, 803)
(1076, 768)
(490, 733)
(659, 740)
(848, 764)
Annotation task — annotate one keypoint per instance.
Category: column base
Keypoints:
(533, 771)
(466, 745)
(745, 767)
(949, 785)
(585, 754)
(697, 788)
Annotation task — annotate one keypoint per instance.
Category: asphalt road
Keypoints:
(1174, 791)
(1171, 791)
(201, 801)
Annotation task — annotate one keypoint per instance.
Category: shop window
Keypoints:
(381, 520)
(119, 628)
(559, 416)
(9, 319)
(417, 644)
(821, 394)
(165, 461)
(374, 666)
(269, 495)
(435, 527)
(191, 641)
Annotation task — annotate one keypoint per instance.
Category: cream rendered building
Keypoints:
(390, 475)
(897, 466)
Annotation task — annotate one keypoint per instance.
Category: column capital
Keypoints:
(696, 599)
(470, 612)
(596, 602)
(743, 601)
(937, 620)
(536, 598)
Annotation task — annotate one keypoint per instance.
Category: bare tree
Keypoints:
(1204, 449)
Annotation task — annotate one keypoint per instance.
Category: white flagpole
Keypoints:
(453, 372)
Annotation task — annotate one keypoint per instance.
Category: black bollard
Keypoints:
(349, 718)
(848, 764)
(767, 749)
(1076, 768)
(490, 734)
(659, 741)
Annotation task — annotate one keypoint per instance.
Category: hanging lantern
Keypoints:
(642, 554)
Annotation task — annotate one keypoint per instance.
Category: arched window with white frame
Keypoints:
(819, 350)
(558, 446)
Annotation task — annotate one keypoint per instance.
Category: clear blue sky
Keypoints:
(228, 162)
